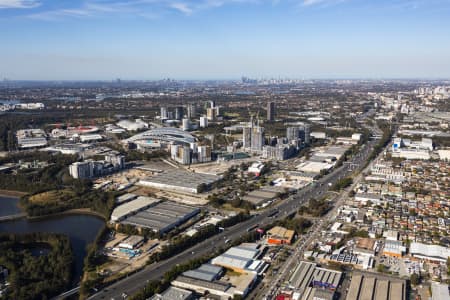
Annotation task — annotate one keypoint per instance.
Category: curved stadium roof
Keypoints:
(164, 134)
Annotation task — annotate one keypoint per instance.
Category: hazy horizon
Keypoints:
(94, 40)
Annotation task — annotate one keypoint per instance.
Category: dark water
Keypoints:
(81, 230)
(8, 206)
(36, 249)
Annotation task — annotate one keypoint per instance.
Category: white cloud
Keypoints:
(320, 2)
(53, 15)
(19, 3)
(148, 9)
(182, 7)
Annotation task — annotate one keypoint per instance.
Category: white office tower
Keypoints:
(292, 133)
(194, 147)
(186, 124)
(203, 122)
(247, 137)
(212, 104)
(257, 139)
(204, 154)
(164, 114)
(191, 111)
(81, 170)
(194, 151)
(181, 154)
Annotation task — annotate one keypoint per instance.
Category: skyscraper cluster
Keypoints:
(302, 132)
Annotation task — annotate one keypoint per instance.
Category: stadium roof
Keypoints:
(164, 134)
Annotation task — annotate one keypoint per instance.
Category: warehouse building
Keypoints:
(333, 151)
(241, 259)
(90, 138)
(173, 293)
(125, 198)
(219, 288)
(263, 195)
(132, 242)
(369, 286)
(31, 138)
(207, 272)
(181, 181)
(126, 209)
(314, 166)
(308, 274)
(433, 253)
(67, 148)
(161, 217)
(394, 248)
(226, 288)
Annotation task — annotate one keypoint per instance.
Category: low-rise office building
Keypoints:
(279, 235)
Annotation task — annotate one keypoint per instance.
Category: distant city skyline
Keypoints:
(223, 39)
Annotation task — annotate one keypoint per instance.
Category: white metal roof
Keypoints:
(132, 206)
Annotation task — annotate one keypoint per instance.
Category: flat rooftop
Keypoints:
(307, 273)
(281, 233)
(162, 217)
(263, 194)
(182, 179)
(374, 286)
(130, 207)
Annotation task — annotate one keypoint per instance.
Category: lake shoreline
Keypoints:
(75, 211)
(11, 193)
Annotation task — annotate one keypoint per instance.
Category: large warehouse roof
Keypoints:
(173, 293)
(162, 217)
(179, 180)
(240, 258)
(205, 272)
(164, 134)
(371, 286)
(432, 252)
(308, 272)
(125, 209)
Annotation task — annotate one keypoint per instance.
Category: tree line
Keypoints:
(36, 277)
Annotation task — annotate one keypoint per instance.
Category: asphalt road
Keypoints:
(135, 282)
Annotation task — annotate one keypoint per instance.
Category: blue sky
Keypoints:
(224, 39)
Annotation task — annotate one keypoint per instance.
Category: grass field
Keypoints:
(52, 197)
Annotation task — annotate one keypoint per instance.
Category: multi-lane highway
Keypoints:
(137, 281)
